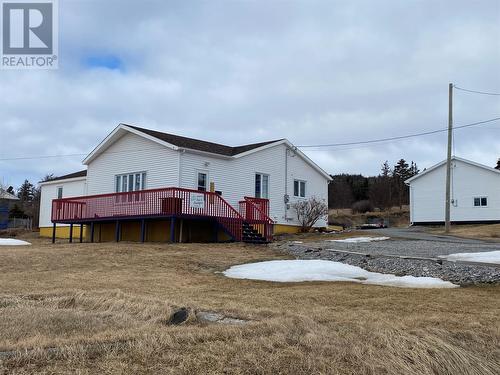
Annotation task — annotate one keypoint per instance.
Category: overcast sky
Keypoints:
(237, 72)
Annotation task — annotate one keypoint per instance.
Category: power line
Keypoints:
(400, 137)
(477, 92)
(303, 146)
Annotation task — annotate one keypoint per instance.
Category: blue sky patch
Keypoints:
(104, 61)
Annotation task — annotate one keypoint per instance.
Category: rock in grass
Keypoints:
(179, 316)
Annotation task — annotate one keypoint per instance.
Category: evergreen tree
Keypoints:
(386, 170)
(26, 192)
(498, 164)
(401, 173)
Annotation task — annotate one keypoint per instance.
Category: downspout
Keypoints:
(285, 203)
(180, 167)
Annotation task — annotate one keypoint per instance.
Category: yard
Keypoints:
(103, 308)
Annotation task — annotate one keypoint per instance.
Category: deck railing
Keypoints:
(162, 202)
(255, 211)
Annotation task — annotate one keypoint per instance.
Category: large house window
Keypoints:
(202, 181)
(261, 185)
(299, 188)
(480, 201)
(130, 182)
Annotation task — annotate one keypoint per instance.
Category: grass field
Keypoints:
(482, 232)
(102, 308)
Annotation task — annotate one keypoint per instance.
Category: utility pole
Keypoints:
(448, 160)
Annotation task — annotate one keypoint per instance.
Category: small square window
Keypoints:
(480, 201)
(299, 188)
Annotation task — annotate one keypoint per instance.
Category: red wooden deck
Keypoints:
(165, 202)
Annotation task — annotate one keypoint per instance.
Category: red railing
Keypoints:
(149, 203)
(255, 211)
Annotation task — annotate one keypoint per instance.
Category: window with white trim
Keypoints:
(59, 192)
(130, 182)
(480, 201)
(202, 181)
(261, 185)
(299, 188)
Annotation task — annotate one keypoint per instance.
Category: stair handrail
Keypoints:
(248, 200)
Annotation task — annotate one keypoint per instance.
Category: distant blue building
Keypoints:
(7, 200)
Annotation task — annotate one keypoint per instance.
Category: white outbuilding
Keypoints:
(475, 193)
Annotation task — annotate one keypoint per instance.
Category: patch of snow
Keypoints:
(483, 257)
(12, 242)
(325, 270)
(297, 242)
(360, 239)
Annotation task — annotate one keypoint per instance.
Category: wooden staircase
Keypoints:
(251, 235)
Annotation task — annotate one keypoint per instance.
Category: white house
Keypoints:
(272, 175)
(475, 193)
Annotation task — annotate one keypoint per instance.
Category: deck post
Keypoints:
(180, 231)
(71, 233)
(216, 231)
(143, 230)
(172, 229)
(117, 231)
(92, 231)
(54, 233)
(81, 233)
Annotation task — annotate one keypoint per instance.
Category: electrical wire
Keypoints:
(400, 137)
(303, 146)
(476, 91)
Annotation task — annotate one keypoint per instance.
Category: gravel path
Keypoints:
(377, 259)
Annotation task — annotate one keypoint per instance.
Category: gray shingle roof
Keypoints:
(199, 145)
(70, 175)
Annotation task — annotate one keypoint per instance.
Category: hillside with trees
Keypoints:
(364, 194)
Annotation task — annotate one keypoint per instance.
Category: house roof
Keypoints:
(470, 162)
(68, 176)
(177, 142)
(199, 145)
(8, 196)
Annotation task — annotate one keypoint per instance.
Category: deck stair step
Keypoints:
(250, 235)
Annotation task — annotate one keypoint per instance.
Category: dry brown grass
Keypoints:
(394, 216)
(483, 232)
(104, 307)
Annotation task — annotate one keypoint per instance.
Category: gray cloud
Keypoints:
(235, 72)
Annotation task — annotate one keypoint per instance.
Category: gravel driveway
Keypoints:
(405, 242)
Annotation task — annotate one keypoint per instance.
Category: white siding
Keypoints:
(71, 188)
(468, 181)
(132, 153)
(316, 184)
(236, 177)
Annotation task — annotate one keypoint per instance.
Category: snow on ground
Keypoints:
(325, 270)
(360, 239)
(12, 242)
(483, 257)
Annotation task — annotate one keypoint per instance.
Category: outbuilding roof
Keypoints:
(470, 162)
(69, 175)
(7, 196)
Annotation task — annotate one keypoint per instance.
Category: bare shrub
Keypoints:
(362, 207)
(309, 211)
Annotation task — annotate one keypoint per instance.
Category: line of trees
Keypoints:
(28, 205)
(363, 194)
